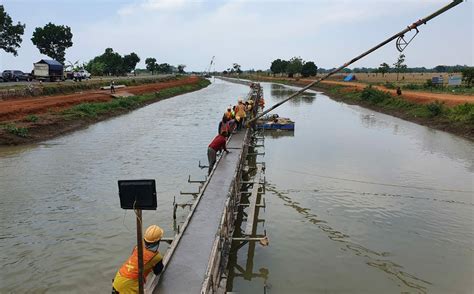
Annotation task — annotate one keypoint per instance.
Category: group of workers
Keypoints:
(234, 119)
(126, 279)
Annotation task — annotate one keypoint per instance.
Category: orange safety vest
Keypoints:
(129, 269)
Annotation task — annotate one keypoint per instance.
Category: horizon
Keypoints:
(191, 32)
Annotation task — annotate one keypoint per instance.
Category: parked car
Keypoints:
(16, 75)
(81, 75)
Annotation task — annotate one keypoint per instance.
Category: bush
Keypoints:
(435, 108)
(462, 113)
(411, 87)
(18, 131)
(31, 118)
(389, 85)
(374, 96)
(429, 83)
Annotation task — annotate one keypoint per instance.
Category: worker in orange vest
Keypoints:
(126, 279)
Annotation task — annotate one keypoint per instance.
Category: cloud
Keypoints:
(151, 5)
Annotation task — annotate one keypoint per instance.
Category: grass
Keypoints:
(32, 118)
(93, 110)
(460, 114)
(18, 131)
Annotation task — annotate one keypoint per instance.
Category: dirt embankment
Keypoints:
(345, 94)
(19, 108)
(27, 120)
(413, 96)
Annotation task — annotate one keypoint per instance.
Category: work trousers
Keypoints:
(211, 156)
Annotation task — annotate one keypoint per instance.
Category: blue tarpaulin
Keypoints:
(349, 78)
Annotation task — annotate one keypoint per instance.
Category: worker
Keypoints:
(217, 144)
(240, 108)
(230, 126)
(228, 113)
(223, 125)
(399, 91)
(126, 279)
(112, 87)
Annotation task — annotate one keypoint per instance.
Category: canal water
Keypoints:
(357, 201)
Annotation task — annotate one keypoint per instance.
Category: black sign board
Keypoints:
(137, 194)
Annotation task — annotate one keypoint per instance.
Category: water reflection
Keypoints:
(373, 258)
(281, 92)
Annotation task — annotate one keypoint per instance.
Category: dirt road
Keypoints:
(415, 96)
(19, 108)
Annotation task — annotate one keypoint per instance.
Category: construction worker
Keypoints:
(217, 144)
(240, 112)
(223, 125)
(228, 113)
(126, 279)
(112, 87)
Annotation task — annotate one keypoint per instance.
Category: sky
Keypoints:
(251, 33)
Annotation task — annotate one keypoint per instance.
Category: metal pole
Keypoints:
(140, 250)
(409, 28)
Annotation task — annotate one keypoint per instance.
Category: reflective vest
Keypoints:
(129, 269)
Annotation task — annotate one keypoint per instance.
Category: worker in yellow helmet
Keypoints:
(126, 279)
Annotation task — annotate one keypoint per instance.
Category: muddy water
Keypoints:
(361, 202)
(357, 201)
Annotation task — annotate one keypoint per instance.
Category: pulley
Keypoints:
(402, 43)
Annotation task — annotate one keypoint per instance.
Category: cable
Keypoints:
(380, 184)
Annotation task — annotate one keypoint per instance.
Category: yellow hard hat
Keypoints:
(153, 234)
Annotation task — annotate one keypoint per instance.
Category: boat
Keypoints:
(275, 122)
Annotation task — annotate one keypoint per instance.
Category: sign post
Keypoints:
(138, 195)
(140, 251)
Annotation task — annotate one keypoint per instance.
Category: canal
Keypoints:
(357, 201)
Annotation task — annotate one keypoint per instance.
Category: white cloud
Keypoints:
(151, 5)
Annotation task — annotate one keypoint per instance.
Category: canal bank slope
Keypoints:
(456, 117)
(35, 119)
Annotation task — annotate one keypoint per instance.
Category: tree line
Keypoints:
(295, 65)
(53, 40)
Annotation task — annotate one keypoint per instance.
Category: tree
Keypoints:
(384, 68)
(236, 68)
(277, 66)
(164, 68)
(468, 76)
(181, 68)
(309, 69)
(441, 68)
(113, 62)
(151, 64)
(97, 68)
(130, 61)
(294, 66)
(399, 64)
(10, 34)
(53, 40)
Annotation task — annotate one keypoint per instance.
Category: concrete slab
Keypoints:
(186, 269)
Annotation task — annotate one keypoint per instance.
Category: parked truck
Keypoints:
(48, 70)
